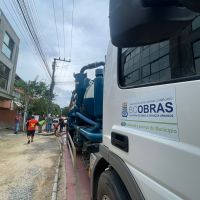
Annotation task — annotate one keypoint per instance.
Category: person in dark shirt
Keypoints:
(61, 123)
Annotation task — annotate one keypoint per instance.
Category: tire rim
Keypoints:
(105, 197)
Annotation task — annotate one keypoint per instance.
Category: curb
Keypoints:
(45, 134)
(55, 182)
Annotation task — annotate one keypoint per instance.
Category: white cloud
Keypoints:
(90, 39)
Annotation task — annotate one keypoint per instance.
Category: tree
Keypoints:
(35, 97)
(39, 106)
(65, 111)
(33, 89)
(56, 110)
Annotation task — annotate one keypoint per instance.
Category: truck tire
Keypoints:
(110, 187)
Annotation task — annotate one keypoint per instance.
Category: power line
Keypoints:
(30, 25)
(35, 11)
(61, 74)
(35, 25)
(19, 26)
(70, 51)
(56, 26)
(38, 24)
(53, 81)
(64, 39)
(27, 31)
(30, 11)
(31, 5)
(63, 15)
(32, 32)
(63, 18)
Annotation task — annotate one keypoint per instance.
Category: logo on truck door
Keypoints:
(154, 113)
(124, 109)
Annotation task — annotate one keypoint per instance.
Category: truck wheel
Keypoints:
(110, 187)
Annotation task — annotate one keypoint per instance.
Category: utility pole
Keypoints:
(53, 82)
(27, 100)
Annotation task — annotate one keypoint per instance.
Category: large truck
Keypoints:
(137, 122)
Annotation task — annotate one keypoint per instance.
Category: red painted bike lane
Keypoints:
(77, 181)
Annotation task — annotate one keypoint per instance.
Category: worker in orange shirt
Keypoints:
(31, 126)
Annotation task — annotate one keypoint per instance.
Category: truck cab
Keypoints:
(151, 141)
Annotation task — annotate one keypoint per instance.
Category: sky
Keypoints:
(83, 44)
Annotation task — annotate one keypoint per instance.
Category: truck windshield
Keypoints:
(177, 59)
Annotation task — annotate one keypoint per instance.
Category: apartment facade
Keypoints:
(9, 48)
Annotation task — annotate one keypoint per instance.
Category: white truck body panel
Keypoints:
(165, 164)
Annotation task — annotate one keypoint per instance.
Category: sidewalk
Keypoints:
(77, 181)
(44, 133)
(9, 132)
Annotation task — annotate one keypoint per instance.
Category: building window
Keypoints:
(4, 76)
(8, 46)
(196, 55)
(196, 23)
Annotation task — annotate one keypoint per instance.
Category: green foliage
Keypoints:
(36, 94)
(65, 111)
(56, 109)
(33, 89)
(39, 106)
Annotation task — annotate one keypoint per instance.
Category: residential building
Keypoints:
(9, 47)
(17, 96)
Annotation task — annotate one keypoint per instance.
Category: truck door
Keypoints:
(151, 113)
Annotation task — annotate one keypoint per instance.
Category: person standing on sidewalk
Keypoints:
(31, 126)
(49, 122)
(17, 120)
(61, 123)
(41, 122)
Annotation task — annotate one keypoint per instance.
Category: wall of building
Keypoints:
(5, 27)
(5, 104)
(7, 119)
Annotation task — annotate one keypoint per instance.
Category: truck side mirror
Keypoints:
(132, 23)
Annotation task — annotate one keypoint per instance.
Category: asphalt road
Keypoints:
(27, 170)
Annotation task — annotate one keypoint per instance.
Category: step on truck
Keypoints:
(137, 123)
